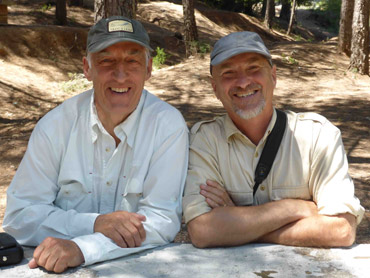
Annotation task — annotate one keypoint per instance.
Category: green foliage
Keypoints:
(45, 7)
(328, 11)
(246, 6)
(329, 5)
(290, 60)
(77, 83)
(160, 58)
(198, 47)
(298, 38)
(204, 48)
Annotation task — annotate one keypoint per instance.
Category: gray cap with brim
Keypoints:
(109, 31)
(237, 43)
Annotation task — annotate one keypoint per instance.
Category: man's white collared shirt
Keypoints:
(72, 172)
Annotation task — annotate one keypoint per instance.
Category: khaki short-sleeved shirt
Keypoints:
(311, 164)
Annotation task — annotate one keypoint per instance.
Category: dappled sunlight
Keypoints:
(37, 59)
(43, 13)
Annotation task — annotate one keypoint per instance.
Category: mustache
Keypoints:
(251, 87)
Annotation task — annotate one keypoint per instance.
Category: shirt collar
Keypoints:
(231, 129)
(126, 129)
(129, 126)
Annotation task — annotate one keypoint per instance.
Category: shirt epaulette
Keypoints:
(197, 125)
(312, 116)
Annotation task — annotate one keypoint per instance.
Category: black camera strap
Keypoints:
(270, 150)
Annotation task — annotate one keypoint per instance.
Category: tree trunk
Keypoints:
(360, 37)
(270, 13)
(345, 27)
(285, 10)
(61, 12)
(264, 6)
(292, 14)
(108, 8)
(190, 27)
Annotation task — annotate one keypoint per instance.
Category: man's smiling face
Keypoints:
(244, 84)
(118, 74)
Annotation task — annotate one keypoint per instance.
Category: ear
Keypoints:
(86, 69)
(149, 69)
(214, 86)
(273, 74)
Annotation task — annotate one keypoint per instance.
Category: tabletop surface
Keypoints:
(252, 260)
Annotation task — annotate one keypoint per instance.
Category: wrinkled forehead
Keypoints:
(128, 48)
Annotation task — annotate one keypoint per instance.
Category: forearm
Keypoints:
(31, 224)
(228, 226)
(316, 231)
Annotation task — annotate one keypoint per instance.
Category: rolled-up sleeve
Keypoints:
(203, 165)
(333, 188)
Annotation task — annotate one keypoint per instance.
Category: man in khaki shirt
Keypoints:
(308, 197)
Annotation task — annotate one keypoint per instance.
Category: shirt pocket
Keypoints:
(74, 196)
(290, 192)
(241, 198)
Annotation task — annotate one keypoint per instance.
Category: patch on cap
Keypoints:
(120, 25)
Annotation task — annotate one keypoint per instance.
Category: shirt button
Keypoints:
(109, 183)
(263, 188)
(107, 150)
(256, 154)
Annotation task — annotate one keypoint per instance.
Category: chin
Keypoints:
(250, 113)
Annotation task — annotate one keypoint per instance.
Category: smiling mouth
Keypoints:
(119, 90)
(245, 94)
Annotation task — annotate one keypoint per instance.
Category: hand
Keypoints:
(216, 195)
(124, 228)
(56, 254)
(307, 208)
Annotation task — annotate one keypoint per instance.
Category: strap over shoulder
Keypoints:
(270, 150)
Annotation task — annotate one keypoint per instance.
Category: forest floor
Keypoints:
(40, 66)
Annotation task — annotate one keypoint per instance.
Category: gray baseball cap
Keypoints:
(237, 43)
(109, 31)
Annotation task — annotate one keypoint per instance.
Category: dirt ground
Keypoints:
(40, 66)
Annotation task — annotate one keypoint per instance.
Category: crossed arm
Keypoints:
(289, 222)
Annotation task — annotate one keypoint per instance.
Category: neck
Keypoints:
(254, 128)
(110, 121)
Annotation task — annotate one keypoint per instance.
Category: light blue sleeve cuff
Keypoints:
(97, 248)
(82, 223)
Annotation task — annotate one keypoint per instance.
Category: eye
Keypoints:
(228, 73)
(253, 69)
(106, 61)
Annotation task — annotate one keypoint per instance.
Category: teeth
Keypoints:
(247, 94)
(120, 90)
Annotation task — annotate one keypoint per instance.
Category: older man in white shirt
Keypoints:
(104, 172)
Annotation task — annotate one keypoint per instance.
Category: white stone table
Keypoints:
(252, 260)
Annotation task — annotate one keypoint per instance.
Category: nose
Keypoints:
(243, 80)
(120, 72)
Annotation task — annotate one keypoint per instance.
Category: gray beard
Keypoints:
(250, 113)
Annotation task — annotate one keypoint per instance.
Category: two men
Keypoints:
(308, 197)
(105, 170)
